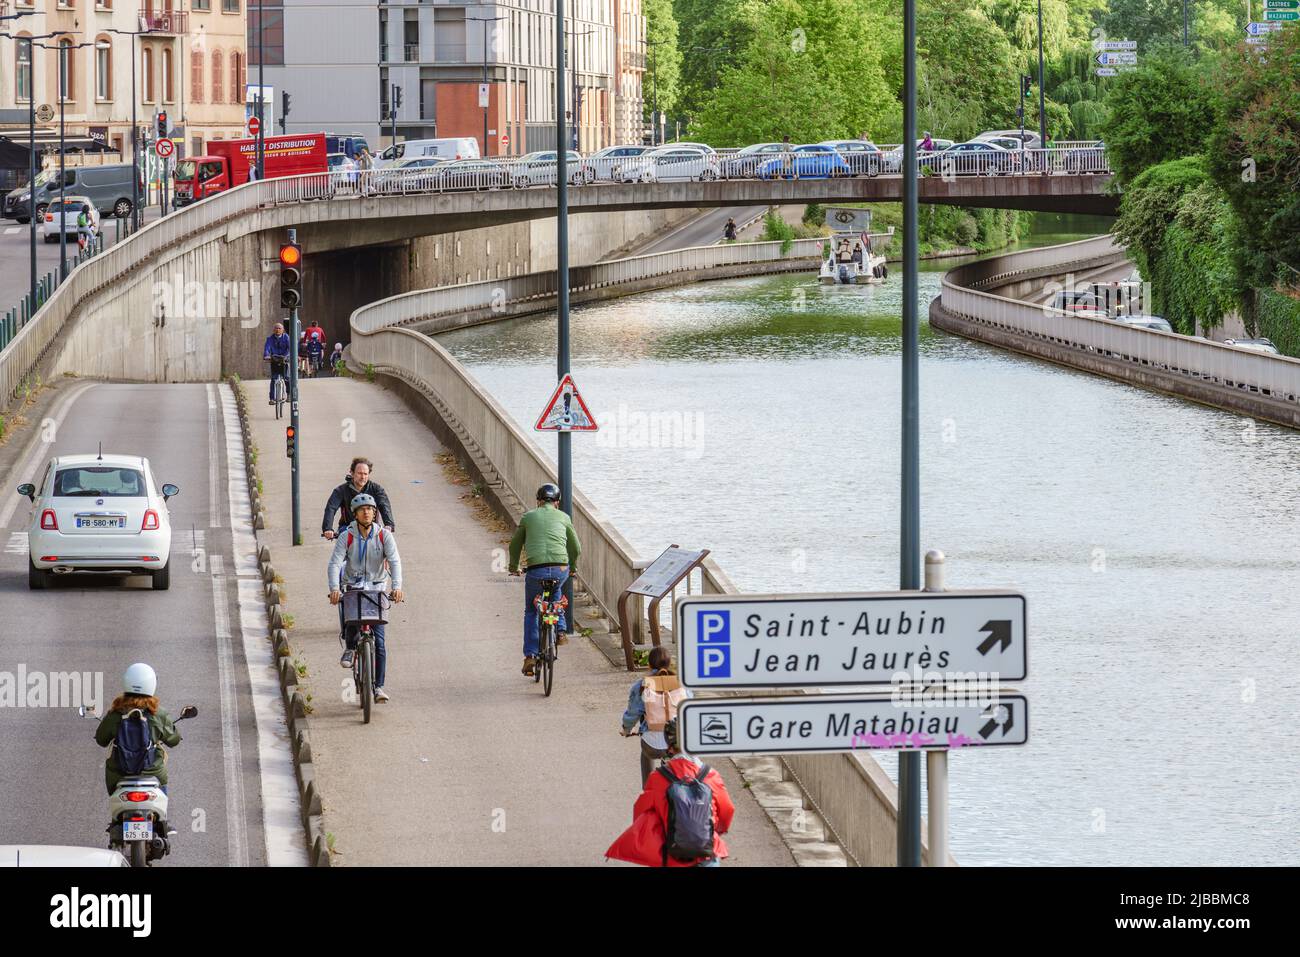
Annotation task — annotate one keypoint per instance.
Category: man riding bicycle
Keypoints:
(360, 553)
(313, 347)
(550, 544)
(277, 350)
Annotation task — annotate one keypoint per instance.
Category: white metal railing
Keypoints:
(1239, 368)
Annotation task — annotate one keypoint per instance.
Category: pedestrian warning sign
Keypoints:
(566, 412)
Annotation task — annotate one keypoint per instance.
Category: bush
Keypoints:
(1277, 317)
(814, 214)
(965, 230)
(775, 228)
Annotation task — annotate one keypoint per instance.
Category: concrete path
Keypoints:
(469, 763)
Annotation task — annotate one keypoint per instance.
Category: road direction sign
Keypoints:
(1257, 41)
(1282, 14)
(1115, 45)
(816, 641)
(1281, 4)
(817, 723)
(1105, 71)
(1111, 59)
(566, 411)
(164, 148)
(1255, 29)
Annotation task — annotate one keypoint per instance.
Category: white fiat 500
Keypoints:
(98, 514)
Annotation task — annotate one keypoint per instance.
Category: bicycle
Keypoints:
(279, 383)
(371, 605)
(548, 617)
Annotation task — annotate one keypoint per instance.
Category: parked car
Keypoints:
(744, 163)
(892, 162)
(1146, 322)
(538, 169)
(62, 218)
(1257, 345)
(813, 161)
(452, 148)
(974, 158)
(1087, 159)
(470, 174)
(604, 162)
(863, 157)
(668, 164)
(98, 514)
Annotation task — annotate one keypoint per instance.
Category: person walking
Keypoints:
(357, 482)
(680, 817)
(651, 704)
(546, 538)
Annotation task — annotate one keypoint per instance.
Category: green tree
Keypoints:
(662, 78)
(712, 34)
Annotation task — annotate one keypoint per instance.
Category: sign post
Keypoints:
(657, 580)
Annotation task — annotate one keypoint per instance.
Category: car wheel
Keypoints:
(122, 208)
(40, 211)
(521, 182)
(37, 578)
(162, 578)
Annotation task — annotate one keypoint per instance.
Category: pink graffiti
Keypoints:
(902, 739)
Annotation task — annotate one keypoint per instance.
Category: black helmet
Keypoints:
(670, 734)
(548, 493)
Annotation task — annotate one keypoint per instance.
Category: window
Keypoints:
(67, 79)
(99, 482)
(23, 70)
(103, 4)
(229, 6)
(200, 4)
(218, 68)
(236, 76)
(196, 76)
(103, 68)
(146, 73)
(168, 96)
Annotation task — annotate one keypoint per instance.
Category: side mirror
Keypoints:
(169, 490)
(28, 489)
(86, 711)
(189, 711)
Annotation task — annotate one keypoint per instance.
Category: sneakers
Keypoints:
(529, 665)
(380, 696)
(346, 660)
(270, 402)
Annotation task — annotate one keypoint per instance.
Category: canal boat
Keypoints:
(854, 254)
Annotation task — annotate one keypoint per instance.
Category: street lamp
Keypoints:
(485, 21)
(61, 78)
(565, 450)
(574, 133)
(135, 128)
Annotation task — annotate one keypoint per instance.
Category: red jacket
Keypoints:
(643, 842)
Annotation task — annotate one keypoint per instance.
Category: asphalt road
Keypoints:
(101, 624)
(703, 230)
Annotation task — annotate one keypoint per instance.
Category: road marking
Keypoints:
(17, 543)
(214, 457)
(9, 231)
(37, 450)
(281, 815)
(236, 824)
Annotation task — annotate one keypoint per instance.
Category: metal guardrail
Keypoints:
(1202, 359)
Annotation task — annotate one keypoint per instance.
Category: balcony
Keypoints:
(411, 51)
(633, 60)
(164, 22)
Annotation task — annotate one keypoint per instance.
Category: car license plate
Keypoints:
(137, 830)
(100, 521)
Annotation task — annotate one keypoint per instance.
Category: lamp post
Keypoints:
(654, 90)
(565, 452)
(1042, 108)
(485, 21)
(135, 128)
(261, 95)
(575, 103)
(61, 83)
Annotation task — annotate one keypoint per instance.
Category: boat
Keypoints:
(853, 254)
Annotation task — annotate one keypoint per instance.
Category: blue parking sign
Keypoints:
(713, 652)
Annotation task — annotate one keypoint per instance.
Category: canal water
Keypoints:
(1157, 540)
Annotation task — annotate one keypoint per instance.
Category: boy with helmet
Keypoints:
(550, 546)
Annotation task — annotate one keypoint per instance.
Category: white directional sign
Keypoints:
(1113, 59)
(1105, 71)
(1255, 29)
(814, 641)
(1257, 41)
(1115, 45)
(801, 724)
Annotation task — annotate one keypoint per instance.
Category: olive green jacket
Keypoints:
(546, 536)
(164, 732)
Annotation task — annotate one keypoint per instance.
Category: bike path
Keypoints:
(469, 763)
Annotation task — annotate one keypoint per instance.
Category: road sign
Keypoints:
(1257, 41)
(1105, 71)
(505, 139)
(1281, 4)
(1115, 45)
(815, 641)
(1111, 59)
(253, 125)
(44, 113)
(802, 724)
(1282, 14)
(164, 148)
(1255, 29)
(566, 412)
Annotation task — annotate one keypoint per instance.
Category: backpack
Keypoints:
(661, 694)
(689, 834)
(134, 744)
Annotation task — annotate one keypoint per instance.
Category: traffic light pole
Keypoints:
(293, 412)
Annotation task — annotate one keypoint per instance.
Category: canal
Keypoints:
(1157, 540)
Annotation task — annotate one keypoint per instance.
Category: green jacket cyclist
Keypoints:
(550, 546)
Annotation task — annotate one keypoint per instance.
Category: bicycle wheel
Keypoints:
(279, 397)
(367, 652)
(548, 660)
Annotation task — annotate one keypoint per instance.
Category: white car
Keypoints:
(668, 164)
(58, 855)
(1255, 345)
(605, 161)
(98, 514)
(538, 169)
(63, 216)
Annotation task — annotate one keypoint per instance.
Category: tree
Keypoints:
(660, 82)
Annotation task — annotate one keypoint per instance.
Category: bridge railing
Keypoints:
(1231, 366)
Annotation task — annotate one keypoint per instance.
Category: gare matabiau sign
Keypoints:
(812, 641)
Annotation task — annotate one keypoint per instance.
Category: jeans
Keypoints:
(381, 653)
(532, 588)
(649, 756)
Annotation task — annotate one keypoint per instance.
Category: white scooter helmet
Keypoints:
(140, 679)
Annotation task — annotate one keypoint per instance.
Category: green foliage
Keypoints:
(1150, 205)
(662, 80)
(814, 214)
(1277, 317)
(1211, 23)
(1160, 111)
(775, 228)
(1195, 283)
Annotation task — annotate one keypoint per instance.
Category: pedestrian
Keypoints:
(365, 159)
(729, 231)
(927, 144)
(787, 157)
(252, 171)
(680, 817)
(651, 704)
(357, 483)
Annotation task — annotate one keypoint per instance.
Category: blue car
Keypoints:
(814, 161)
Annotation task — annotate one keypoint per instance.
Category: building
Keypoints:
(190, 65)
(339, 59)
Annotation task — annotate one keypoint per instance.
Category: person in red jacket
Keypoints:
(643, 842)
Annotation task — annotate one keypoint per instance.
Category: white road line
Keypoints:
(214, 457)
(9, 231)
(17, 543)
(236, 824)
(38, 450)
(281, 815)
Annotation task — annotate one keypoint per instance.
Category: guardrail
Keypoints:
(1277, 377)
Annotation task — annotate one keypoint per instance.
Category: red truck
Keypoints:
(226, 164)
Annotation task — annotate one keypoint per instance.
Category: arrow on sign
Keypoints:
(1282, 14)
(998, 631)
(1255, 29)
(1105, 71)
(992, 723)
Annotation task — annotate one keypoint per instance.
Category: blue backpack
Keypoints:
(134, 744)
(690, 816)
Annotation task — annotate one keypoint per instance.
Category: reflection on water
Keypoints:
(1157, 540)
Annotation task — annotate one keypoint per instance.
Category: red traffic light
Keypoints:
(289, 432)
(290, 254)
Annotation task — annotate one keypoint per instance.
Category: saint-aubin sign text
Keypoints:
(814, 641)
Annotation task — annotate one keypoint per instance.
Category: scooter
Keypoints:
(137, 809)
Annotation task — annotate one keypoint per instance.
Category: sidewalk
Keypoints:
(469, 763)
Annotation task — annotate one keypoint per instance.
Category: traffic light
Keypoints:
(290, 437)
(1026, 82)
(284, 102)
(290, 275)
(397, 98)
(162, 124)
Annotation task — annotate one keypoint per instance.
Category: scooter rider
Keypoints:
(360, 552)
(138, 684)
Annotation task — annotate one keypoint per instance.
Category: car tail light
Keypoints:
(150, 523)
(49, 520)
(49, 558)
(136, 797)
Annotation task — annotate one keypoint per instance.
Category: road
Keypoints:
(190, 634)
(702, 230)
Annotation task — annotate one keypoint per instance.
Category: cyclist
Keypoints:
(547, 538)
(341, 499)
(336, 358)
(312, 347)
(358, 560)
(276, 351)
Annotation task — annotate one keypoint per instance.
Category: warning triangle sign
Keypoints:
(566, 412)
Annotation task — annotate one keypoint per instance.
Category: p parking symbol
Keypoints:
(713, 654)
